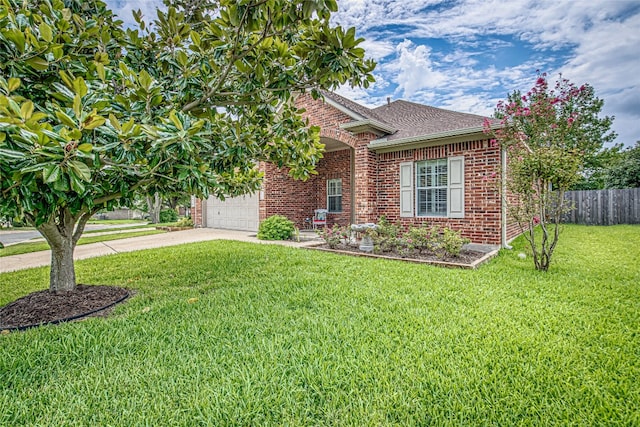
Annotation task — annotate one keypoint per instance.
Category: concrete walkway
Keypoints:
(43, 258)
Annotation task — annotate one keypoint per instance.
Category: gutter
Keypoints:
(403, 143)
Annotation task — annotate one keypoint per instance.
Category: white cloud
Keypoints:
(414, 69)
(468, 103)
(377, 49)
(593, 42)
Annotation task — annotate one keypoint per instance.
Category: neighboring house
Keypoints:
(409, 162)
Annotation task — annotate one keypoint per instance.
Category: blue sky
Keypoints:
(466, 55)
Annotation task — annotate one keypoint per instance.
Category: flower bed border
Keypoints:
(169, 229)
(437, 263)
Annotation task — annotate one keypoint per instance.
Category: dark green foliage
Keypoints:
(168, 215)
(276, 227)
(625, 171)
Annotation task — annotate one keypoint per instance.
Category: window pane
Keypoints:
(431, 187)
(334, 195)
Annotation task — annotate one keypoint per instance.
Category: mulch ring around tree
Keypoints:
(43, 307)
(467, 259)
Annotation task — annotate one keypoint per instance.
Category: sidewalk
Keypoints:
(43, 258)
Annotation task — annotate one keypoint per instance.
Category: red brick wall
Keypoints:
(196, 212)
(481, 222)
(297, 199)
(376, 179)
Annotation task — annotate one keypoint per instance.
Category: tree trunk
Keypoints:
(154, 204)
(63, 274)
(62, 232)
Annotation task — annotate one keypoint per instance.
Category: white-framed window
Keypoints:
(432, 188)
(334, 195)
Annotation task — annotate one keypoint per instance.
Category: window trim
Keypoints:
(433, 188)
(338, 195)
(408, 184)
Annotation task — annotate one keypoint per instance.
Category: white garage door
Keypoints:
(235, 213)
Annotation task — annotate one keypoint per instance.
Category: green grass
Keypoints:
(282, 336)
(117, 221)
(28, 247)
(141, 226)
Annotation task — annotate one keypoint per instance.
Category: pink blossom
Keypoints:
(570, 120)
(536, 220)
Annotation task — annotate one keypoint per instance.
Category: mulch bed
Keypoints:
(466, 259)
(45, 307)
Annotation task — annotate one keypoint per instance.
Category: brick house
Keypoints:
(409, 162)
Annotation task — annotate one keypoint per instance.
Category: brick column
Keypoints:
(196, 212)
(366, 165)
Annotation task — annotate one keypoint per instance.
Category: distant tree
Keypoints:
(549, 134)
(593, 175)
(93, 115)
(625, 171)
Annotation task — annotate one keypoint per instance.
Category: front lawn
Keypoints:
(227, 333)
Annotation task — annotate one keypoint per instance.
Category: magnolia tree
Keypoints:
(549, 135)
(94, 115)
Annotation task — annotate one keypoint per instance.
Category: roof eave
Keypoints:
(440, 138)
(368, 125)
(345, 110)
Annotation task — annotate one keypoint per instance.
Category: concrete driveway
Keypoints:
(43, 258)
(8, 237)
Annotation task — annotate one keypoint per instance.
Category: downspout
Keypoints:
(503, 197)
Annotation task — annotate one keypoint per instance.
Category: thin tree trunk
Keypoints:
(62, 233)
(154, 204)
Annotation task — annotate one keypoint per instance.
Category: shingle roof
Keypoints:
(414, 120)
(411, 119)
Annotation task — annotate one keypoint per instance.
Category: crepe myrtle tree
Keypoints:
(549, 134)
(94, 115)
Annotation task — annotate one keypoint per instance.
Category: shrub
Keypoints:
(276, 227)
(184, 222)
(451, 243)
(335, 235)
(424, 238)
(385, 236)
(168, 215)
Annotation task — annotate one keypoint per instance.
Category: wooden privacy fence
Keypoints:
(604, 207)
